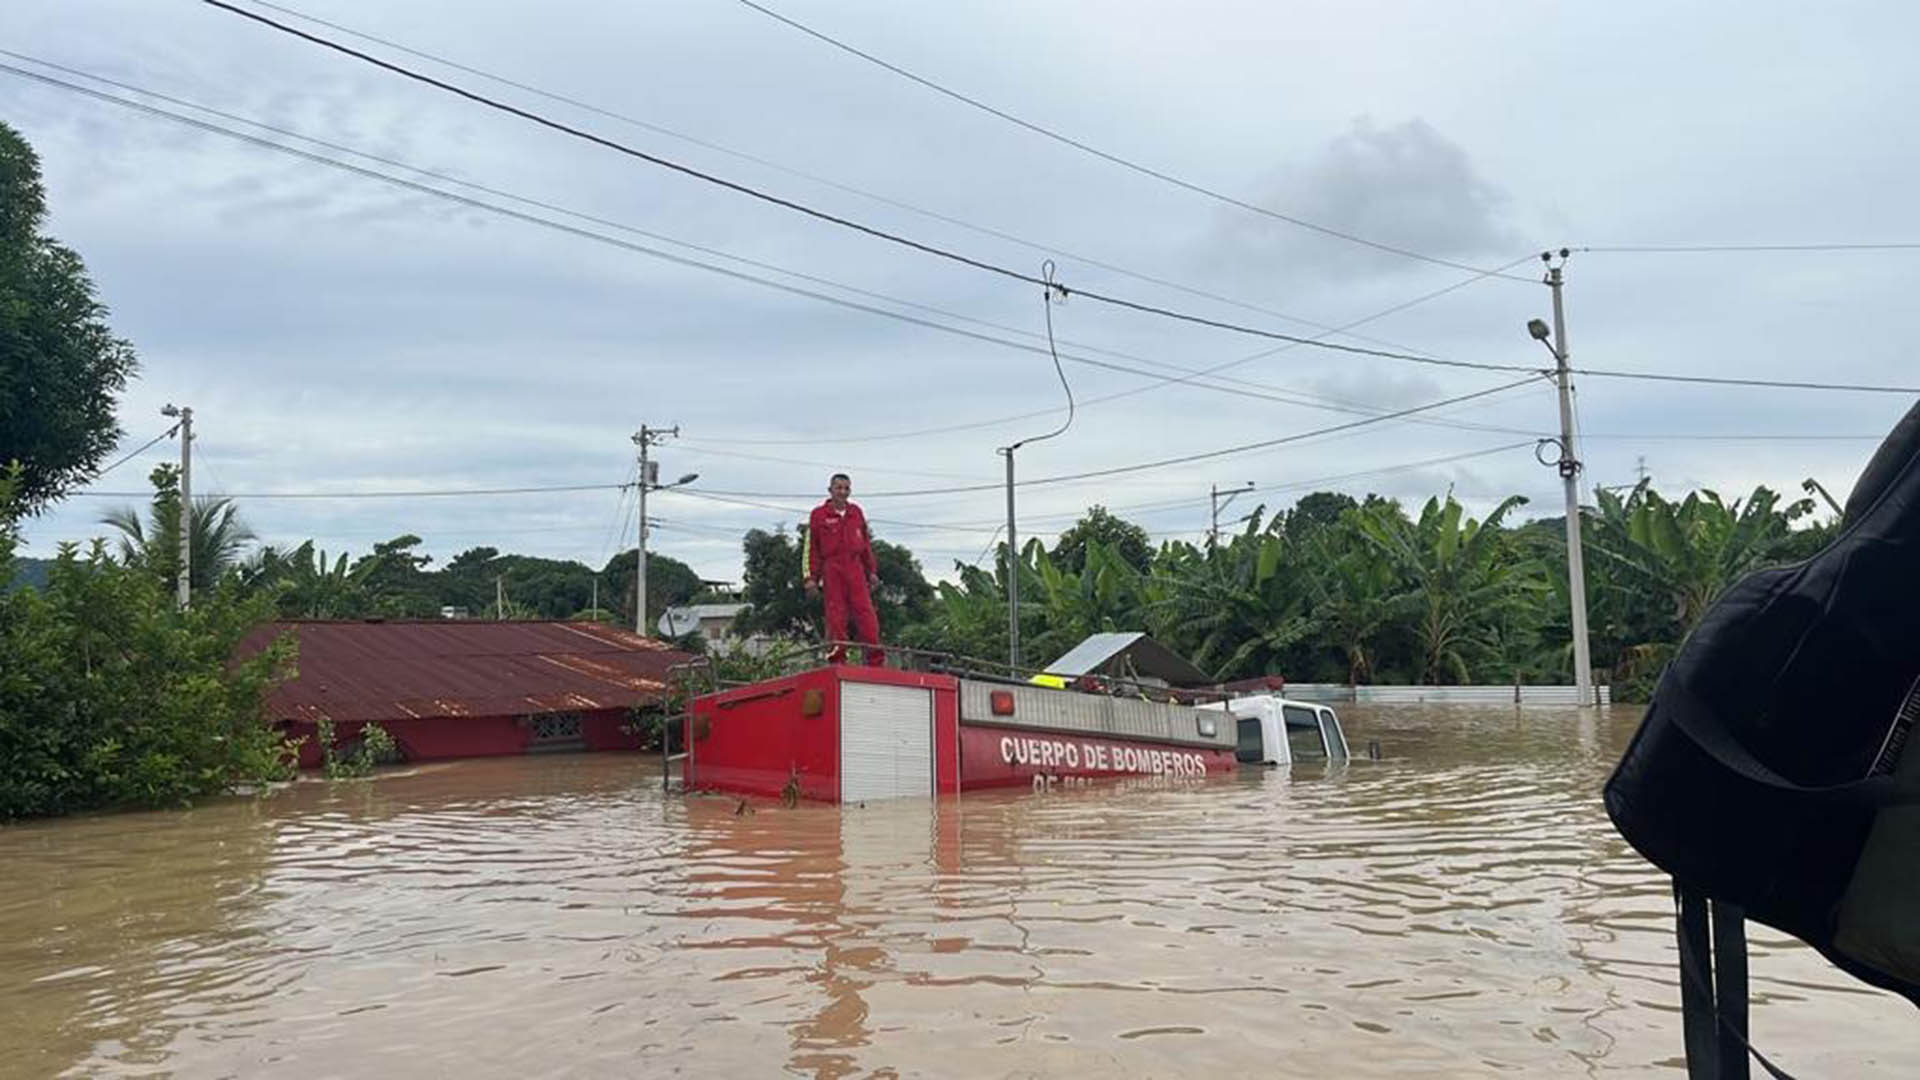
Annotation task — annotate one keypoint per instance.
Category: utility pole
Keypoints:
(645, 438)
(1569, 466)
(1054, 292)
(1013, 571)
(183, 589)
(499, 597)
(1213, 496)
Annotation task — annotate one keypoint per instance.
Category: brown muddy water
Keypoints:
(1461, 908)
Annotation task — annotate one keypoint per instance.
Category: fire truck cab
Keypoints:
(1271, 730)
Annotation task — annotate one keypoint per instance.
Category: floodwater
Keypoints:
(1460, 908)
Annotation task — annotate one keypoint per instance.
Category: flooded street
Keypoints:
(1461, 908)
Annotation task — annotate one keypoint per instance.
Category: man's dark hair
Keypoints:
(839, 476)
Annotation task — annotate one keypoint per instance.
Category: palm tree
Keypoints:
(217, 537)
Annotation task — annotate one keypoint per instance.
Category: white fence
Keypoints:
(1442, 695)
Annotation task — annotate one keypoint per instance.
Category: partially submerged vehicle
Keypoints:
(941, 725)
(1271, 730)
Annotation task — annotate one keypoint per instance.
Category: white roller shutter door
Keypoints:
(886, 742)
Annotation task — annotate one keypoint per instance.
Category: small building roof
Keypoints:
(1114, 653)
(681, 618)
(355, 671)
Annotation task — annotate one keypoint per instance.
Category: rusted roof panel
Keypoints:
(353, 671)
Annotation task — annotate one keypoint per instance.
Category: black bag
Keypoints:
(1768, 776)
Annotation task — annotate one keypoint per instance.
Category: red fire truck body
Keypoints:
(844, 734)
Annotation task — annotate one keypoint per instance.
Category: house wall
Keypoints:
(440, 737)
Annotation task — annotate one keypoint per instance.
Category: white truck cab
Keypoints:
(1275, 731)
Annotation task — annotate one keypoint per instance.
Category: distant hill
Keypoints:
(29, 572)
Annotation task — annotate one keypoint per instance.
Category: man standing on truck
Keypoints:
(839, 561)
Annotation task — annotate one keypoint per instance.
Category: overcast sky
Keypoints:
(336, 334)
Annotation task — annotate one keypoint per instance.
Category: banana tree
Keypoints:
(1353, 587)
(1686, 554)
(306, 584)
(1460, 579)
(1238, 608)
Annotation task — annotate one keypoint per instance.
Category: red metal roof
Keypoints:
(350, 671)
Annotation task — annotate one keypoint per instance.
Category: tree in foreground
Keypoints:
(61, 368)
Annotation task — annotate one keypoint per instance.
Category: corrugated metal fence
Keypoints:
(1441, 695)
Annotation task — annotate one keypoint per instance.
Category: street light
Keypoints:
(640, 550)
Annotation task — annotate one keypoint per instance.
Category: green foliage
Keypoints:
(303, 583)
(27, 574)
(670, 582)
(60, 365)
(1460, 580)
(374, 747)
(773, 578)
(1124, 538)
(216, 537)
(780, 606)
(1654, 566)
(111, 697)
(1317, 511)
(1343, 591)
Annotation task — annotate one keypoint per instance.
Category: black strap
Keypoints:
(1697, 1009)
(1699, 721)
(1730, 988)
(1713, 1003)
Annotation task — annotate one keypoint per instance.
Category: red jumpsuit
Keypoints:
(839, 556)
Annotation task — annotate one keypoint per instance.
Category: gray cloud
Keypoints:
(1406, 185)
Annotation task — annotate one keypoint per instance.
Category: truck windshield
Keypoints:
(1303, 733)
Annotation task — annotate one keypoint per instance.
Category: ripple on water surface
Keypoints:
(1459, 909)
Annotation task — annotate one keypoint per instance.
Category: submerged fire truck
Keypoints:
(940, 725)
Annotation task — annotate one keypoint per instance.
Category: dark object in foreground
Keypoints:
(1768, 778)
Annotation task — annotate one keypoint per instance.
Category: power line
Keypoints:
(216, 129)
(1162, 462)
(1189, 377)
(1112, 158)
(1291, 485)
(1695, 249)
(1720, 437)
(848, 223)
(851, 189)
(801, 511)
(434, 493)
(143, 449)
(1214, 370)
(1711, 380)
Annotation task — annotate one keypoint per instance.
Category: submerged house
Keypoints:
(468, 688)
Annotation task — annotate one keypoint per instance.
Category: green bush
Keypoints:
(109, 696)
(374, 747)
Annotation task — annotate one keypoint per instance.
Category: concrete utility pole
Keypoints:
(645, 438)
(1569, 466)
(1013, 570)
(1213, 496)
(184, 589)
